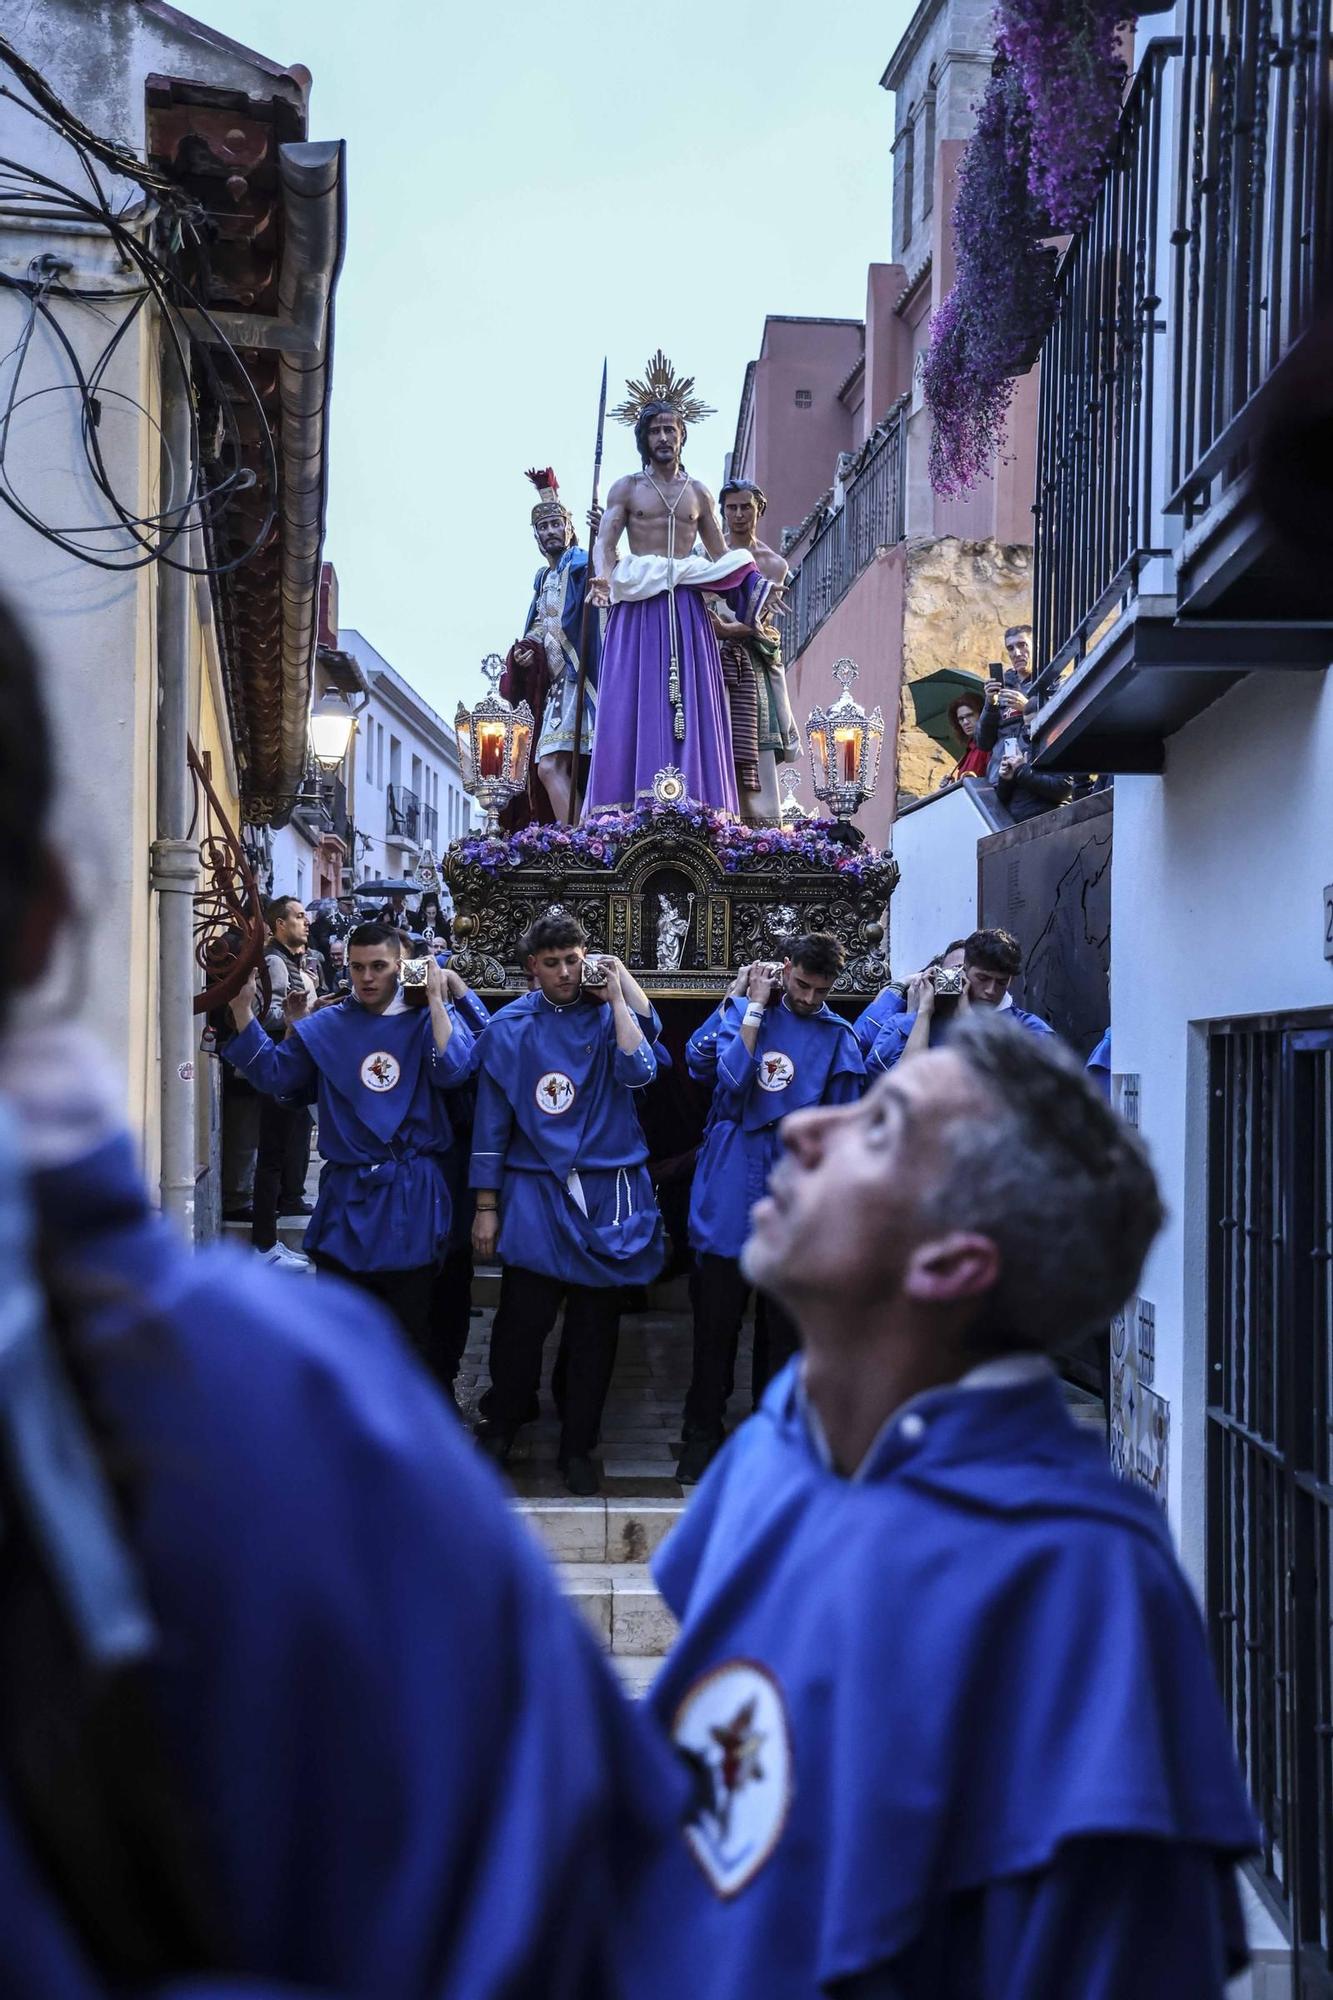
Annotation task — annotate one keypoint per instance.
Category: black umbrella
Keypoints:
(388, 885)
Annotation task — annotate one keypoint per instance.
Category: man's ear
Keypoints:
(961, 1265)
(49, 908)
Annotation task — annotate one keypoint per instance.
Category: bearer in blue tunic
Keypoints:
(380, 1070)
(559, 1165)
(451, 1293)
(890, 1000)
(944, 1691)
(989, 961)
(778, 1050)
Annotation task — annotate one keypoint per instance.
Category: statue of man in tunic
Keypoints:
(763, 729)
(662, 700)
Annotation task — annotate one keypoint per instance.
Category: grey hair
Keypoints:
(1057, 1181)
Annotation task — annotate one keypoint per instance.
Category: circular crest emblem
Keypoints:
(380, 1070)
(733, 1723)
(555, 1093)
(775, 1070)
(669, 787)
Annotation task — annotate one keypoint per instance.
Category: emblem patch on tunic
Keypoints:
(775, 1071)
(555, 1093)
(380, 1070)
(733, 1726)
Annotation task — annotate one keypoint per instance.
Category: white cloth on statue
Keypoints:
(637, 578)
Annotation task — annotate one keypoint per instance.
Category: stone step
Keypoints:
(636, 1671)
(291, 1231)
(600, 1530)
(622, 1606)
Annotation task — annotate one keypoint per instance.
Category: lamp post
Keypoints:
(494, 744)
(845, 745)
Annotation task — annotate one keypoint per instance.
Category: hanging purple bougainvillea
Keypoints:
(1067, 56)
(993, 320)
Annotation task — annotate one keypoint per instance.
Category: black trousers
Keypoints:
(525, 1315)
(721, 1293)
(281, 1165)
(407, 1294)
(450, 1315)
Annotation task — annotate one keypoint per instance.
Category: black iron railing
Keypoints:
(1270, 1452)
(1253, 221)
(430, 826)
(403, 807)
(871, 517)
(1096, 507)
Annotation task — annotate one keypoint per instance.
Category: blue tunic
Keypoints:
(920, 1700)
(798, 1060)
(891, 1039)
(556, 1131)
(412, 1774)
(886, 1003)
(1099, 1065)
(384, 1126)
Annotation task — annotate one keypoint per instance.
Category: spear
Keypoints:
(582, 682)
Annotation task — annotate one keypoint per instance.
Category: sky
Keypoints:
(531, 187)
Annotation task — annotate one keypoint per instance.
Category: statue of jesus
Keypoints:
(661, 697)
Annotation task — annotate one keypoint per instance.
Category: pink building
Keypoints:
(885, 572)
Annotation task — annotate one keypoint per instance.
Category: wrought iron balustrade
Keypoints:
(1095, 505)
(871, 517)
(430, 826)
(1253, 221)
(403, 807)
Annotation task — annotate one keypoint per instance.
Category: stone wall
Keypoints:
(958, 597)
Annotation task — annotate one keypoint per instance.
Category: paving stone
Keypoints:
(635, 1529)
(570, 1530)
(640, 1621)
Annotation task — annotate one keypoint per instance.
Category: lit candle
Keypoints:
(492, 749)
(849, 754)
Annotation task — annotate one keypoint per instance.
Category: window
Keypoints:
(805, 399)
(928, 150)
(395, 762)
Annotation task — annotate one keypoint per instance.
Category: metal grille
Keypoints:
(1254, 213)
(870, 518)
(1094, 508)
(1270, 1475)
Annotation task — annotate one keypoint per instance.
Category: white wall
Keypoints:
(935, 846)
(1217, 912)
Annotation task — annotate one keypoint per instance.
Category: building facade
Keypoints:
(885, 571)
(180, 690)
(408, 788)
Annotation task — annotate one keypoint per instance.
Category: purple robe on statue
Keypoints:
(636, 735)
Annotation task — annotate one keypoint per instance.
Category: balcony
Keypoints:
(430, 827)
(1136, 380)
(402, 814)
(1253, 216)
(870, 518)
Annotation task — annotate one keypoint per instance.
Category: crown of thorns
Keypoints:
(661, 384)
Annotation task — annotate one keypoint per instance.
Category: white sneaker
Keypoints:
(284, 1259)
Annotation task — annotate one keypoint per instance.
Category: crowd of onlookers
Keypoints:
(992, 732)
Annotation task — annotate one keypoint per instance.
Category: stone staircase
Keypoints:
(601, 1549)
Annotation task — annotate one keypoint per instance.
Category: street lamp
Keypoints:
(331, 724)
(494, 744)
(844, 745)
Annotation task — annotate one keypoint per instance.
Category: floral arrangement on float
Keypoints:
(1033, 169)
(600, 840)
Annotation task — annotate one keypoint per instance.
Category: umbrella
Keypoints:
(388, 885)
(931, 695)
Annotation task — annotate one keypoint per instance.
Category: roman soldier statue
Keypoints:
(543, 666)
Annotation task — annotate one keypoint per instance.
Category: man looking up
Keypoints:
(661, 696)
(283, 1156)
(559, 1165)
(773, 1047)
(763, 729)
(989, 961)
(380, 1070)
(945, 1691)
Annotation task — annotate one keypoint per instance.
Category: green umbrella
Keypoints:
(931, 696)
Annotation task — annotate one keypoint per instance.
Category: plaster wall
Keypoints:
(793, 449)
(866, 627)
(1217, 912)
(935, 844)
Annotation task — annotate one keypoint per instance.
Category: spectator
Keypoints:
(988, 962)
(946, 1694)
(1025, 793)
(283, 1158)
(892, 999)
(431, 920)
(773, 1047)
(1018, 645)
(286, 1688)
(331, 923)
(964, 715)
(395, 912)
